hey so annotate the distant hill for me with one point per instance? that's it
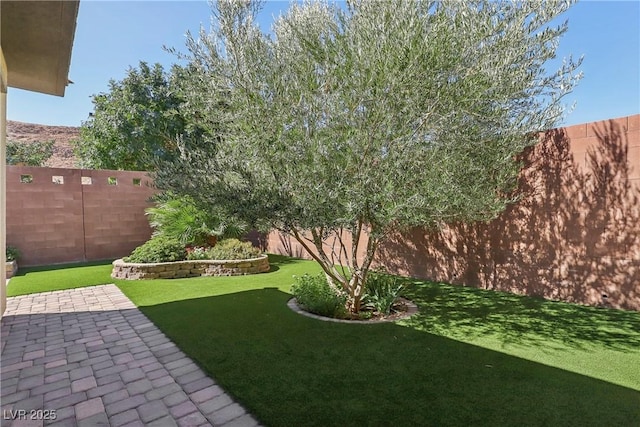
(62, 135)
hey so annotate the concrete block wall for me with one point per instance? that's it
(68, 215)
(573, 236)
(115, 222)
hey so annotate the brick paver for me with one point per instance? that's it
(88, 356)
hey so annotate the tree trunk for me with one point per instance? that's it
(356, 291)
(353, 286)
(337, 288)
(212, 240)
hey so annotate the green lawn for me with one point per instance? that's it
(470, 357)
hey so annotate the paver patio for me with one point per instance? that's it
(89, 357)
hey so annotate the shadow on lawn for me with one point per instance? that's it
(520, 320)
(574, 235)
(277, 261)
(292, 370)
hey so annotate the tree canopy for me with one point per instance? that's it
(367, 119)
(136, 123)
(29, 153)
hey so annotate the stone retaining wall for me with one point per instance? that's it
(194, 268)
(12, 269)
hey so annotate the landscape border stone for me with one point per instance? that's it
(412, 309)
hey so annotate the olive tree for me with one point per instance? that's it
(360, 121)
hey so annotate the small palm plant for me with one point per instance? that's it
(180, 218)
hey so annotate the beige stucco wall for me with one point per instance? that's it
(37, 39)
(3, 194)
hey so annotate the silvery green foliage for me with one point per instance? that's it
(370, 118)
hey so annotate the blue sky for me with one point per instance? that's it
(111, 36)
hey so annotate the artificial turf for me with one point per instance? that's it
(30, 280)
(469, 357)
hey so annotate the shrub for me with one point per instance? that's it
(198, 252)
(12, 253)
(315, 295)
(233, 249)
(29, 153)
(382, 292)
(158, 249)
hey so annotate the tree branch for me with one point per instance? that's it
(320, 257)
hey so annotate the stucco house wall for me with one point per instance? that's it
(36, 40)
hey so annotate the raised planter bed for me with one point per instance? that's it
(12, 268)
(192, 268)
